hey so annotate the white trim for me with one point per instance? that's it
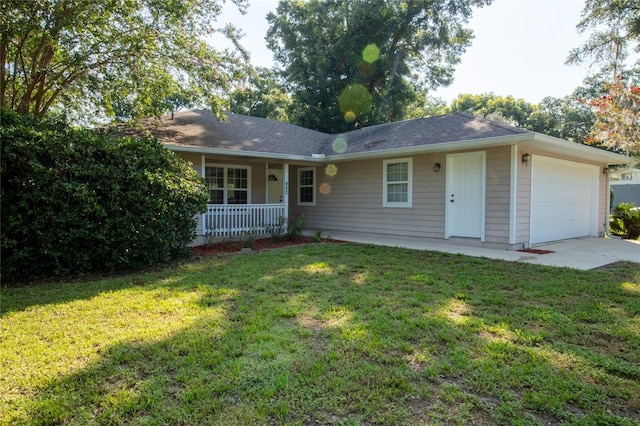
(225, 188)
(385, 184)
(202, 175)
(483, 201)
(513, 194)
(237, 153)
(315, 178)
(285, 191)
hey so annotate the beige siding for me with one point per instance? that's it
(497, 201)
(194, 159)
(352, 200)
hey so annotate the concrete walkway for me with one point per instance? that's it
(581, 253)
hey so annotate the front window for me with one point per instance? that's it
(307, 186)
(397, 183)
(228, 184)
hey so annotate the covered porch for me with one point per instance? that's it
(245, 197)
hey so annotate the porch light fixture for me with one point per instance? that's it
(525, 158)
(436, 167)
(605, 170)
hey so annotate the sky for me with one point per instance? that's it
(519, 49)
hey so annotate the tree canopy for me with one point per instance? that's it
(125, 58)
(352, 63)
(261, 94)
(612, 91)
(614, 27)
(618, 118)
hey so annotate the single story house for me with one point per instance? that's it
(456, 177)
(625, 185)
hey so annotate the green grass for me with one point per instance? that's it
(339, 334)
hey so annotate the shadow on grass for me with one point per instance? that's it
(364, 335)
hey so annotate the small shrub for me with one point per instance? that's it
(278, 230)
(249, 240)
(625, 221)
(317, 236)
(287, 230)
(295, 228)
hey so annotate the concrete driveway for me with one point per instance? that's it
(580, 253)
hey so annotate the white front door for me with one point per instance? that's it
(465, 197)
(274, 186)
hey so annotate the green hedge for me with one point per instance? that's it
(75, 201)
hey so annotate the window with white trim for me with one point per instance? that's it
(307, 186)
(228, 184)
(397, 182)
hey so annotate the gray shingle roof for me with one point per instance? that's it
(199, 128)
(455, 127)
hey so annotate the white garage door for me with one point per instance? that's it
(564, 199)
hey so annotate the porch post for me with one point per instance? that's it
(203, 174)
(285, 192)
(266, 180)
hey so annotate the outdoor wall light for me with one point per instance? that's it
(605, 171)
(436, 167)
(525, 158)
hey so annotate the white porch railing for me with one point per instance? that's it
(229, 220)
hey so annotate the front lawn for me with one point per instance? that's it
(338, 334)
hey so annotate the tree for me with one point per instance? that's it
(128, 58)
(565, 118)
(618, 117)
(615, 28)
(615, 31)
(509, 110)
(352, 63)
(261, 95)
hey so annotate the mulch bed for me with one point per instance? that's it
(224, 247)
(536, 251)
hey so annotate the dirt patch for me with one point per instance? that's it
(536, 251)
(258, 244)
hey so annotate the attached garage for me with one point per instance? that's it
(564, 199)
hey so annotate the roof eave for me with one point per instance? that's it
(440, 147)
(238, 153)
(585, 152)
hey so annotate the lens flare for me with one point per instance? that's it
(371, 53)
(325, 189)
(339, 145)
(349, 116)
(331, 170)
(354, 100)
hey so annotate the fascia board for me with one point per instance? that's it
(441, 147)
(562, 146)
(230, 152)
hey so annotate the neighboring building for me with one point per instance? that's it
(456, 177)
(625, 185)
